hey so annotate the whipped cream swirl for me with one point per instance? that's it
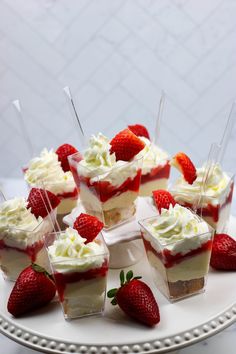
(179, 229)
(100, 164)
(47, 169)
(153, 156)
(216, 185)
(69, 252)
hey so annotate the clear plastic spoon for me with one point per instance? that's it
(159, 117)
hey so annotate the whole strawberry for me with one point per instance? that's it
(163, 199)
(88, 226)
(136, 299)
(139, 130)
(126, 145)
(223, 254)
(33, 289)
(63, 152)
(183, 163)
(42, 202)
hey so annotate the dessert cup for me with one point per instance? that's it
(109, 196)
(80, 281)
(214, 209)
(19, 247)
(46, 172)
(179, 267)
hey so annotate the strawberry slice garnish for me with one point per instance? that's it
(136, 299)
(63, 152)
(223, 254)
(88, 226)
(183, 163)
(33, 289)
(139, 130)
(163, 199)
(42, 202)
(126, 145)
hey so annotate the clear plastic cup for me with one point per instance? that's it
(80, 282)
(214, 210)
(178, 274)
(19, 248)
(109, 196)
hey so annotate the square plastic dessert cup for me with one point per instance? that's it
(214, 210)
(156, 178)
(19, 248)
(109, 196)
(178, 275)
(68, 200)
(80, 282)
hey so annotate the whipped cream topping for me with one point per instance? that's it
(217, 184)
(153, 156)
(178, 229)
(47, 169)
(18, 226)
(69, 252)
(99, 163)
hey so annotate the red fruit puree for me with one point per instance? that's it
(30, 251)
(161, 171)
(61, 279)
(170, 260)
(105, 190)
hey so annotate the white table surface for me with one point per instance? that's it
(222, 343)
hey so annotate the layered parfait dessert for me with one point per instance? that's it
(155, 167)
(210, 196)
(109, 176)
(80, 269)
(23, 225)
(178, 246)
(52, 171)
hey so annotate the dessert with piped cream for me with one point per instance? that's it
(23, 225)
(80, 268)
(178, 246)
(155, 163)
(109, 176)
(210, 196)
(51, 171)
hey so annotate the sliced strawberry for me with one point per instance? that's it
(63, 152)
(136, 299)
(41, 202)
(223, 254)
(126, 145)
(88, 226)
(163, 199)
(183, 163)
(33, 289)
(139, 130)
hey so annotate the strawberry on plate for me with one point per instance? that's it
(139, 130)
(88, 226)
(33, 289)
(41, 202)
(126, 145)
(163, 199)
(63, 152)
(136, 299)
(223, 254)
(183, 163)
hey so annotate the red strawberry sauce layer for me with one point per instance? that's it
(213, 211)
(61, 279)
(73, 194)
(170, 260)
(162, 171)
(105, 190)
(30, 251)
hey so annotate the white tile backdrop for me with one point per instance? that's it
(116, 56)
